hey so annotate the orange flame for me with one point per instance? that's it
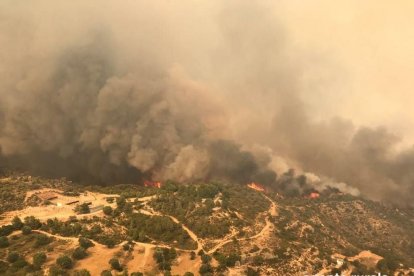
(314, 195)
(256, 186)
(155, 184)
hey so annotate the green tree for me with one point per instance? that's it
(82, 272)
(79, 253)
(251, 272)
(137, 274)
(26, 230)
(13, 257)
(192, 255)
(107, 210)
(32, 222)
(205, 268)
(188, 274)
(4, 266)
(64, 262)
(4, 242)
(82, 208)
(106, 273)
(17, 223)
(114, 263)
(85, 243)
(39, 259)
(42, 239)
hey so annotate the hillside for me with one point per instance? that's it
(55, 227)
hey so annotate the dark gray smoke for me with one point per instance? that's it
(109, 93)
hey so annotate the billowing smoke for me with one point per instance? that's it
(122, 92)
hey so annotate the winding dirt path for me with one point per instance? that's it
(272, 211)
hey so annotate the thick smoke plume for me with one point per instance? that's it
(122, 92)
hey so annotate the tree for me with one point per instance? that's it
(205, 268)
(137, 274)
(82, 272)
(120, 202)
(251, 272)
(3, 266)
(192, 255)
(188, 274)
(64, 262)
(32, 222)
(106, 273)
(115, 264)
(41, 240)
(17, 223)
(39, 259)
(79, 253)
(107, 210)
(26, 230)
(205, 259)
(4, 242)
(82, 208)
(85, 243)
(13, 257)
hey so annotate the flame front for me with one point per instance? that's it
(256, 186)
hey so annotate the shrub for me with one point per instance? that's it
(107, 210)
(3, 266)
(42, 239)
(137, 274)
(115, 264)
(205, 268)
(20, 263)
(17, 223)
(64, 262)
(82, 209)
(106, 273)
(32, 222)
(82, 272)
(26, 230)
(13, 257)
(39, 259)
(188, 274)
(4, 242)
(85, 243)
(79, 253)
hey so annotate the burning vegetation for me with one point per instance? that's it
(154, 184)
(256, 186)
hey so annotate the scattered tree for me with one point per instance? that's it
(39, 259)
(26, 230)
(79, 253)
(64, 262)
(4, 242)
(115, 264)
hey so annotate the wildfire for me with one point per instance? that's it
(155, 184)
(314, 195)
(256, 186)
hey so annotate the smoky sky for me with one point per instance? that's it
(122, 92)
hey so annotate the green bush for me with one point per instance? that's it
(85, 243)
(79, 253)
(42, 239)
(13, 257)
(106, 273)
(82, 272)
(17, 223)
(4, 242)
(64, 262)
(107, 210)
(39, 259)
(115, 264)
(26, 230)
